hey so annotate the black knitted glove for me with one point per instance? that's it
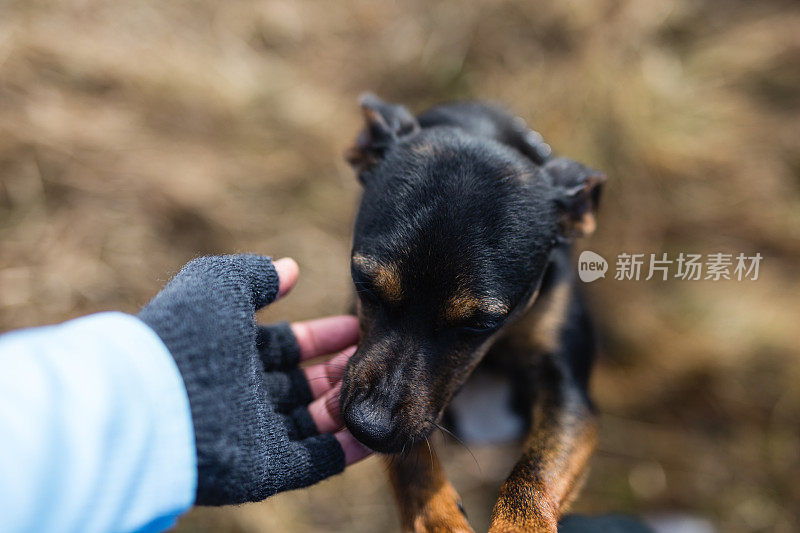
(253, 433)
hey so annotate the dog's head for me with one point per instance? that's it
(451, 241)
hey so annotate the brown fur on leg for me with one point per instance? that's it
(547, 477)
(426, 499)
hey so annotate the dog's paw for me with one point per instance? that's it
(503, 526)
(442, 522)
(531, 515)
(442, 513)
(531, 520)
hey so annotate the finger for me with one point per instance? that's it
(325, 411)
(256, 273)
(277, 346)
(354, 451)
(304, 462)
(323, 376)
(325, 335)
(288, 272)
(287, 390)
(298, 424)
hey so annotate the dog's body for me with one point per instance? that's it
(461, 259)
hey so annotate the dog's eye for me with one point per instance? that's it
(480, 329)
(366, 294)
(365, 291)
(363, 286)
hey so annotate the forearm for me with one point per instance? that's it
(97, 432)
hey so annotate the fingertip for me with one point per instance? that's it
(325, 411)
(350, 323)
(346, 354)
(354, 451)
(288, 272)
(322, 336)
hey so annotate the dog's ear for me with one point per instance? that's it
(385, 124)
(578, 190)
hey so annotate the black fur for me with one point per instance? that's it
(464, 198)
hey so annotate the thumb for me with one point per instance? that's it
(267, 280)
(288, 272)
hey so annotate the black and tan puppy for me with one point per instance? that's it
(461, 259)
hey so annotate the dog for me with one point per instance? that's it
(461, 262)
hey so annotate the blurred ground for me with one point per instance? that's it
(137, 135)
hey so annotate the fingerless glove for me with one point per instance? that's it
(253, 434)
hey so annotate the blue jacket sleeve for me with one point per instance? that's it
(96, 429)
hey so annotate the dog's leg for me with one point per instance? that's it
(426, 499)
(559, 444)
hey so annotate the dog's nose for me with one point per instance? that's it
(369, 424)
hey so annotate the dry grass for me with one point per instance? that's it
(137, 135)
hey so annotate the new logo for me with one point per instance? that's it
(591, 266)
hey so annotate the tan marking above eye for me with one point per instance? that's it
(424, 149)
(385, 276)
(463, 305)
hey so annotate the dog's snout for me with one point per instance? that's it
(370, 424)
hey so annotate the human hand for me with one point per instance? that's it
(316, 338)
(262, 425)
